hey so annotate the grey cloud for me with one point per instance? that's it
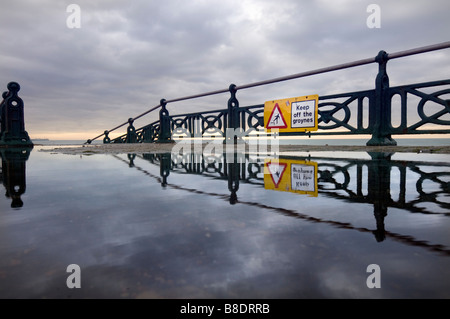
(128, 55)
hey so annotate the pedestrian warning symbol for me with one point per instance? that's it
(276, 119)
(276, 171)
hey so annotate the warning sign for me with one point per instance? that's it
(297, 114)
(276, 119)
(276, 171)
(294, 176)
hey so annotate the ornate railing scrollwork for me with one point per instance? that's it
(435, 118)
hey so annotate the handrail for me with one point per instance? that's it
(119, 126)
(395, 55)
(399, 54)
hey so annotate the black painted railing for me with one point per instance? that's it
(363, 112)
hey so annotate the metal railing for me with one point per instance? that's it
(372, 109)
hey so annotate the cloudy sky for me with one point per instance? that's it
(127, 55)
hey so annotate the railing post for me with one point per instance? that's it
(233, 179)
(165, 163)
(12, 127)
(106, 139)
(13, 172)
(147, 134)
(131, 132)
(379, 186)
(165, 135)
(233, 116)
(380, 108)
(131, 158)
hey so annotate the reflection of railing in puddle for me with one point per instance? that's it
(381, 174)
(354, 180)
(13, 173)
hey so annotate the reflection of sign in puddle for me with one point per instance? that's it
(291, 176)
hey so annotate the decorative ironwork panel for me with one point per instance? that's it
(430, 112)
(200, 124)
(252, 118)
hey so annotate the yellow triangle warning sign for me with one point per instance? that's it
(276, 171)
(276, 119)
